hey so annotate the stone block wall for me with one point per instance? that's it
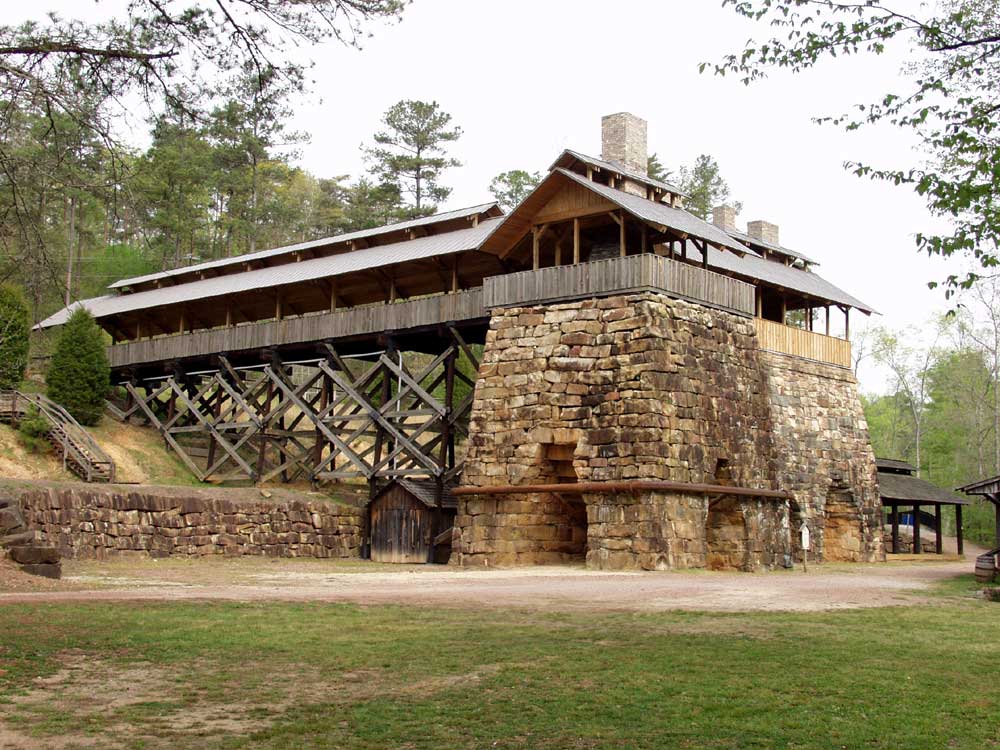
(100, 522)
(643, 387)
(823, 455)
(632, 387)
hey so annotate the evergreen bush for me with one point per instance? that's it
(79, 376)
(32, 430)
(15, 327)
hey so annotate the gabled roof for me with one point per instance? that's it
(423, 490)
(568, 157)
(894, 465)
(779, 249)
(794, 279)
(988, 486)
(660, 215)
(491, 208)
(290, 273)
(903, 488)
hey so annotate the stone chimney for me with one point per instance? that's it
(764, 231)
(724, 217)
(623, 140)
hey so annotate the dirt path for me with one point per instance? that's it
(569, 588)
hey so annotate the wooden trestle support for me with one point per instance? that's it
(366, 418)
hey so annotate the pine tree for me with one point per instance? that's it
(14, 331)
(704, 186)
(79, 376)
(655, 168)
(410, 152)
(510, 188)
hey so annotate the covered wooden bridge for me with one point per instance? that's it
(354, 357)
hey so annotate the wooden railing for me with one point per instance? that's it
(352, 321)
(617, 275)
(80, 452)
(784, 339)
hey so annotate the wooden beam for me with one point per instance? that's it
(576, 241)
(958, 530)
(938, 530)
(895, 529)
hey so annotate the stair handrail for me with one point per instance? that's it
(73, 437)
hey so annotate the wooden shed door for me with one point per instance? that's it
(400, 528)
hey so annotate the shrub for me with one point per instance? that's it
(79, 376)
(15, 327)
(32, 430)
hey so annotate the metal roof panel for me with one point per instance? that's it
(289, 273)
(262, 254)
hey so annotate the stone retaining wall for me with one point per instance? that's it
(627, 387)
(823, 455)
(90, 522)
(646, 387)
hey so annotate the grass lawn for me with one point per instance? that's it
(222, 675)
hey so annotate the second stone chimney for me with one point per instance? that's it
(623, 140)
(764, 231)
(724, 217)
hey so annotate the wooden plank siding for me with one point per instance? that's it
(352, 321)
(616, 275)
(797, 342)
(561, 283)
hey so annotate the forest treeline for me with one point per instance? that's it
(84, 215)
(941, 409)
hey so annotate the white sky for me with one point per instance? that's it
(525, 79)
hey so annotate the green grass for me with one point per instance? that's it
(343, 676)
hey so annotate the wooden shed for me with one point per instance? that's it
(405, 519)
(898, 487)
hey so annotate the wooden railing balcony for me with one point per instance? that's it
(635, 273)
(798, 342)
(352, 321)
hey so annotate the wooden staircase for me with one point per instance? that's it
(80, 452)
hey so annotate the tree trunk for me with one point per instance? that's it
(70, 252)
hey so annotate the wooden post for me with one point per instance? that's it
(996, 506)
(216, 409)
(895, 529)
(263, 437)
(760, 302)
(827, 320)
(958, 530)
(938, 531)
(576, 241)
(645, 239)
(229, 314)
(279, 312)
(454, 274)
(847, 323)
(535, 247)
(809, 318)
(183, 322)
(784, 312)
(916, 530)
(622, 249)
(333, 295)
(559, 251)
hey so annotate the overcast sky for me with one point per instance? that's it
(526, 79)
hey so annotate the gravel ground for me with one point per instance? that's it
(565, 587)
